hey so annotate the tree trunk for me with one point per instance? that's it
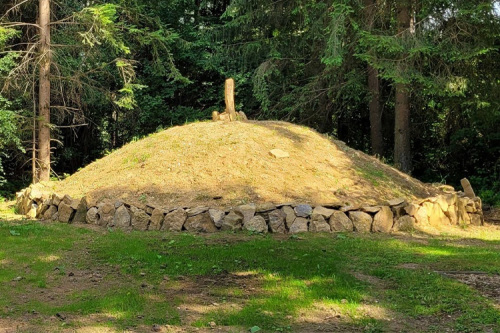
(44, 93)
(376, 137)
(402, 150)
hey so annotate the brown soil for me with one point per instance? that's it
(220, 164)
(488, 285)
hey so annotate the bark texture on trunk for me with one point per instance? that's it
(402, 149)
(376, 137)
(44, 93)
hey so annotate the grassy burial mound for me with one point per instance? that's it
(221, 164)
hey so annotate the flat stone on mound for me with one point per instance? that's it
(232, 221)
(277, 221)
(278, 153)
(325, 212)
(200, 223)
(122, 218)
(174, 221)
(362, 221)
(383, 220)
(303, 210)
(339, 222)
(299, 225)
(139, 218)
(256, 224)
(318, 224)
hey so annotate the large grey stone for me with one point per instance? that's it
(422, 216)
(81, 210)
(200, 223)
(412, 209)
(56, 199)
(256, 224)
(106, 212)
(50, 212)
(325, 212)
(362, 221)
(232, 221)
(405, 223)
(339, 222)
(469, 192)
(217, 216)
(277, 221)
(66, 213)
(303, 210)
(122, 218)
(139, 218)
(92, 216)
(318, 224)
(247, 211)
(463, 217)
(437, 218)
(67, 199)
(42, 208)
(383, 220)
(452, 214)
(156, 219)
(289, 215)
(476, 219)
(174, 221)
(299, 225)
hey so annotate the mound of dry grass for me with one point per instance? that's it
(219, 164)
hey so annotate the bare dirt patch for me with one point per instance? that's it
(487, 284)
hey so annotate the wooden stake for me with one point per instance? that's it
(229, 97)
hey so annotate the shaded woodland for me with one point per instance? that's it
(415, 82)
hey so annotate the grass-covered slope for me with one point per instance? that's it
(231, 162)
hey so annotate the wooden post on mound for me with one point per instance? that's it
(229, 97)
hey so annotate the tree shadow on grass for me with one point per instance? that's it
(273, 282)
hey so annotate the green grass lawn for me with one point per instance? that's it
(59, 277)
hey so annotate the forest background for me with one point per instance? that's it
(415, 82)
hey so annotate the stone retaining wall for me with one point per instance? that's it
(394, 215)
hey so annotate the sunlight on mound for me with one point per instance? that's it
(214, 163)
